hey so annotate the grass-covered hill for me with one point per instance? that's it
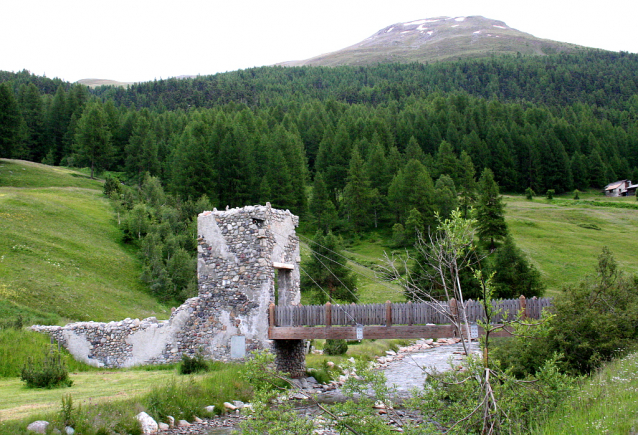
(61, 256)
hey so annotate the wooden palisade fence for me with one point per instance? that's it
(390, 320)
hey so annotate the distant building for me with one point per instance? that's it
(621, 188)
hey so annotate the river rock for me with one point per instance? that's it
(39, 426)
(149, 426)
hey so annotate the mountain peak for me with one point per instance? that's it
(437, 39)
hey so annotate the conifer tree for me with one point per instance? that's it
(491, 226)
(514, 276)
(33, 114)
(321, 207)
(357, 194)
(141, 150)
(467, 183)
(10, 121)
(326, 274)
(193, 163)
(93, 138)
(445, 195)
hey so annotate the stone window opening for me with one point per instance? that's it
(283, 286)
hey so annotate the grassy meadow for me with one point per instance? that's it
(61, 251)
(563, 237)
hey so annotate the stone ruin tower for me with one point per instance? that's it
(247, 258)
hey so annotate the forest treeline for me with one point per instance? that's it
(346, 148)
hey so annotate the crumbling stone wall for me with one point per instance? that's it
(238, 251)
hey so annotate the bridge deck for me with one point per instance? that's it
(378, 321)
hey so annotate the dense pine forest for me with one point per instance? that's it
(347, 148)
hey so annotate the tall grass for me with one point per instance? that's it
(606, 403)
(17, 345)
(186, 397)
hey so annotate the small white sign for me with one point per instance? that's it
(359, 332)
(474, 331)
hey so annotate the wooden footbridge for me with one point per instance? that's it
(391, 320)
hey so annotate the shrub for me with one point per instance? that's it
(51, 372)
(193, 364)
(529, 193)
(335, 347)
(452, 399)
(550, 194)
(593, 322)
(576, 194)
(112, 185)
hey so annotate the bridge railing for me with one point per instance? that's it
(407, 313)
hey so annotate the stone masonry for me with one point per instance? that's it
(239, 252)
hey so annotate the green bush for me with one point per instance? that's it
(335, 347)
(450, 400)
(529, 193)
(51, 372)
(112, 185)
(576, 194)
(550, 194)
(193, 364)
(592, 322)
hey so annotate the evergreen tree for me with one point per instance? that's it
(446, 197)
(10, 121)
(193, 168)
(322, 209)
(467, 183)
(326, 274)
(93, 138)
(57, 124)
(579, 171)
(357, 194)
(33, 115)
(413, 151)
(446, 161)
(141, 150)
(514, 276)
(491, 226)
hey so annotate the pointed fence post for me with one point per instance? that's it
(271, 316)
(328, 314)
(454, 312)
(388, 313)
(410, 313)
(523, 303)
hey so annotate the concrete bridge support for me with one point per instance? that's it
(290, 357)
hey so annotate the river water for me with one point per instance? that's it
(410, 372)
(406, 372)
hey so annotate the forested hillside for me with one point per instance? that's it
(375, 146)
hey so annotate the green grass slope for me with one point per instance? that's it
(60, 249)
(604, 404)
(563, 238)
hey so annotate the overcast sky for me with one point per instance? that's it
(140, 40)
